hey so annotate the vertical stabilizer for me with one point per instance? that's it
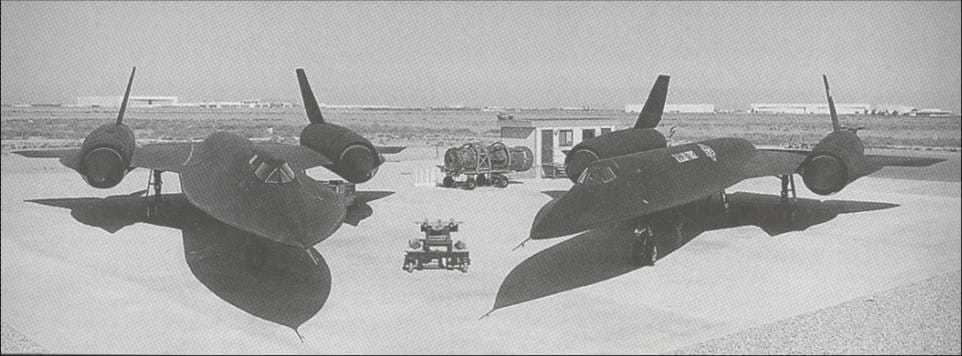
(651, 114)
(836, 127)
(310, 103)
(123, 104)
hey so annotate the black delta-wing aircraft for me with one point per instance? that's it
(633, 175)
(261, 188)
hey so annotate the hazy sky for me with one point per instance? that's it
(485, 53)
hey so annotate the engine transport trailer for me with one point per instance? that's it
(474, 164)
(436, 250)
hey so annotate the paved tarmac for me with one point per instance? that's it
(90, 279)
(919, 318)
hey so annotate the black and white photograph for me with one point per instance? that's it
(481, 177)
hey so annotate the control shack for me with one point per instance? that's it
(551, 138)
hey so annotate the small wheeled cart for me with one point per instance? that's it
(436, 250)
(474, 178)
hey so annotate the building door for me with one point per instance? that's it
(547, 146)
(587, 134)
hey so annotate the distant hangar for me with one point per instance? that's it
(135, 101)
(822, 108)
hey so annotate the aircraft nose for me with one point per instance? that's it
(543, 222)
(559, 217)
(312, 214)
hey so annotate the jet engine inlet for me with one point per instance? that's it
(837, 160)
(355, 158)
(105, 155)
(609, 145)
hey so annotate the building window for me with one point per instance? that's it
(587, 134)
(566, 138)
(605, 130)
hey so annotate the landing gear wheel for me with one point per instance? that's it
(644, 251)
(500, 181)
(652, 254)
(448, 182)
(470, 184)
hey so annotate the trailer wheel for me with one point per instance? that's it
(500, 181)
(470, 184)
(448, 182)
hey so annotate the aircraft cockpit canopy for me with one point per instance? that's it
(596, 175)
(271, 171)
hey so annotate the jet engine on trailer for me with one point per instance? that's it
(485, 164)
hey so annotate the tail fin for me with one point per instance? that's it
(651, 114)
(310, 103)
(836, 127)
(123, 104)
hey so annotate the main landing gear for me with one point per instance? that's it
(644, 250)
(788, 198)
(154, 181)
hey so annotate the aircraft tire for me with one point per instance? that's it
(470, 184)
(500, 181)
(448, 182)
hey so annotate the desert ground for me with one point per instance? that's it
(873, 268)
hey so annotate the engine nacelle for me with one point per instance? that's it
(105, 155)
(836, 161)
(354, 157)
(613, 144)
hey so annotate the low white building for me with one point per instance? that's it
(890, 109)
(932, 112)
(818, 108)
(135, 101)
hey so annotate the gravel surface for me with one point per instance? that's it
(15, 343)
(920, 318)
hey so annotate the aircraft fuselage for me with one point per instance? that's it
(299, 212)
(638, 184)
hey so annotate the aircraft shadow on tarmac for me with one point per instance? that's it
(280, 284)
(605, 252)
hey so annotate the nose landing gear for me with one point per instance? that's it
(644, 250)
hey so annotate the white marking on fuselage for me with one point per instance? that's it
(189, 155)
(685, 156)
